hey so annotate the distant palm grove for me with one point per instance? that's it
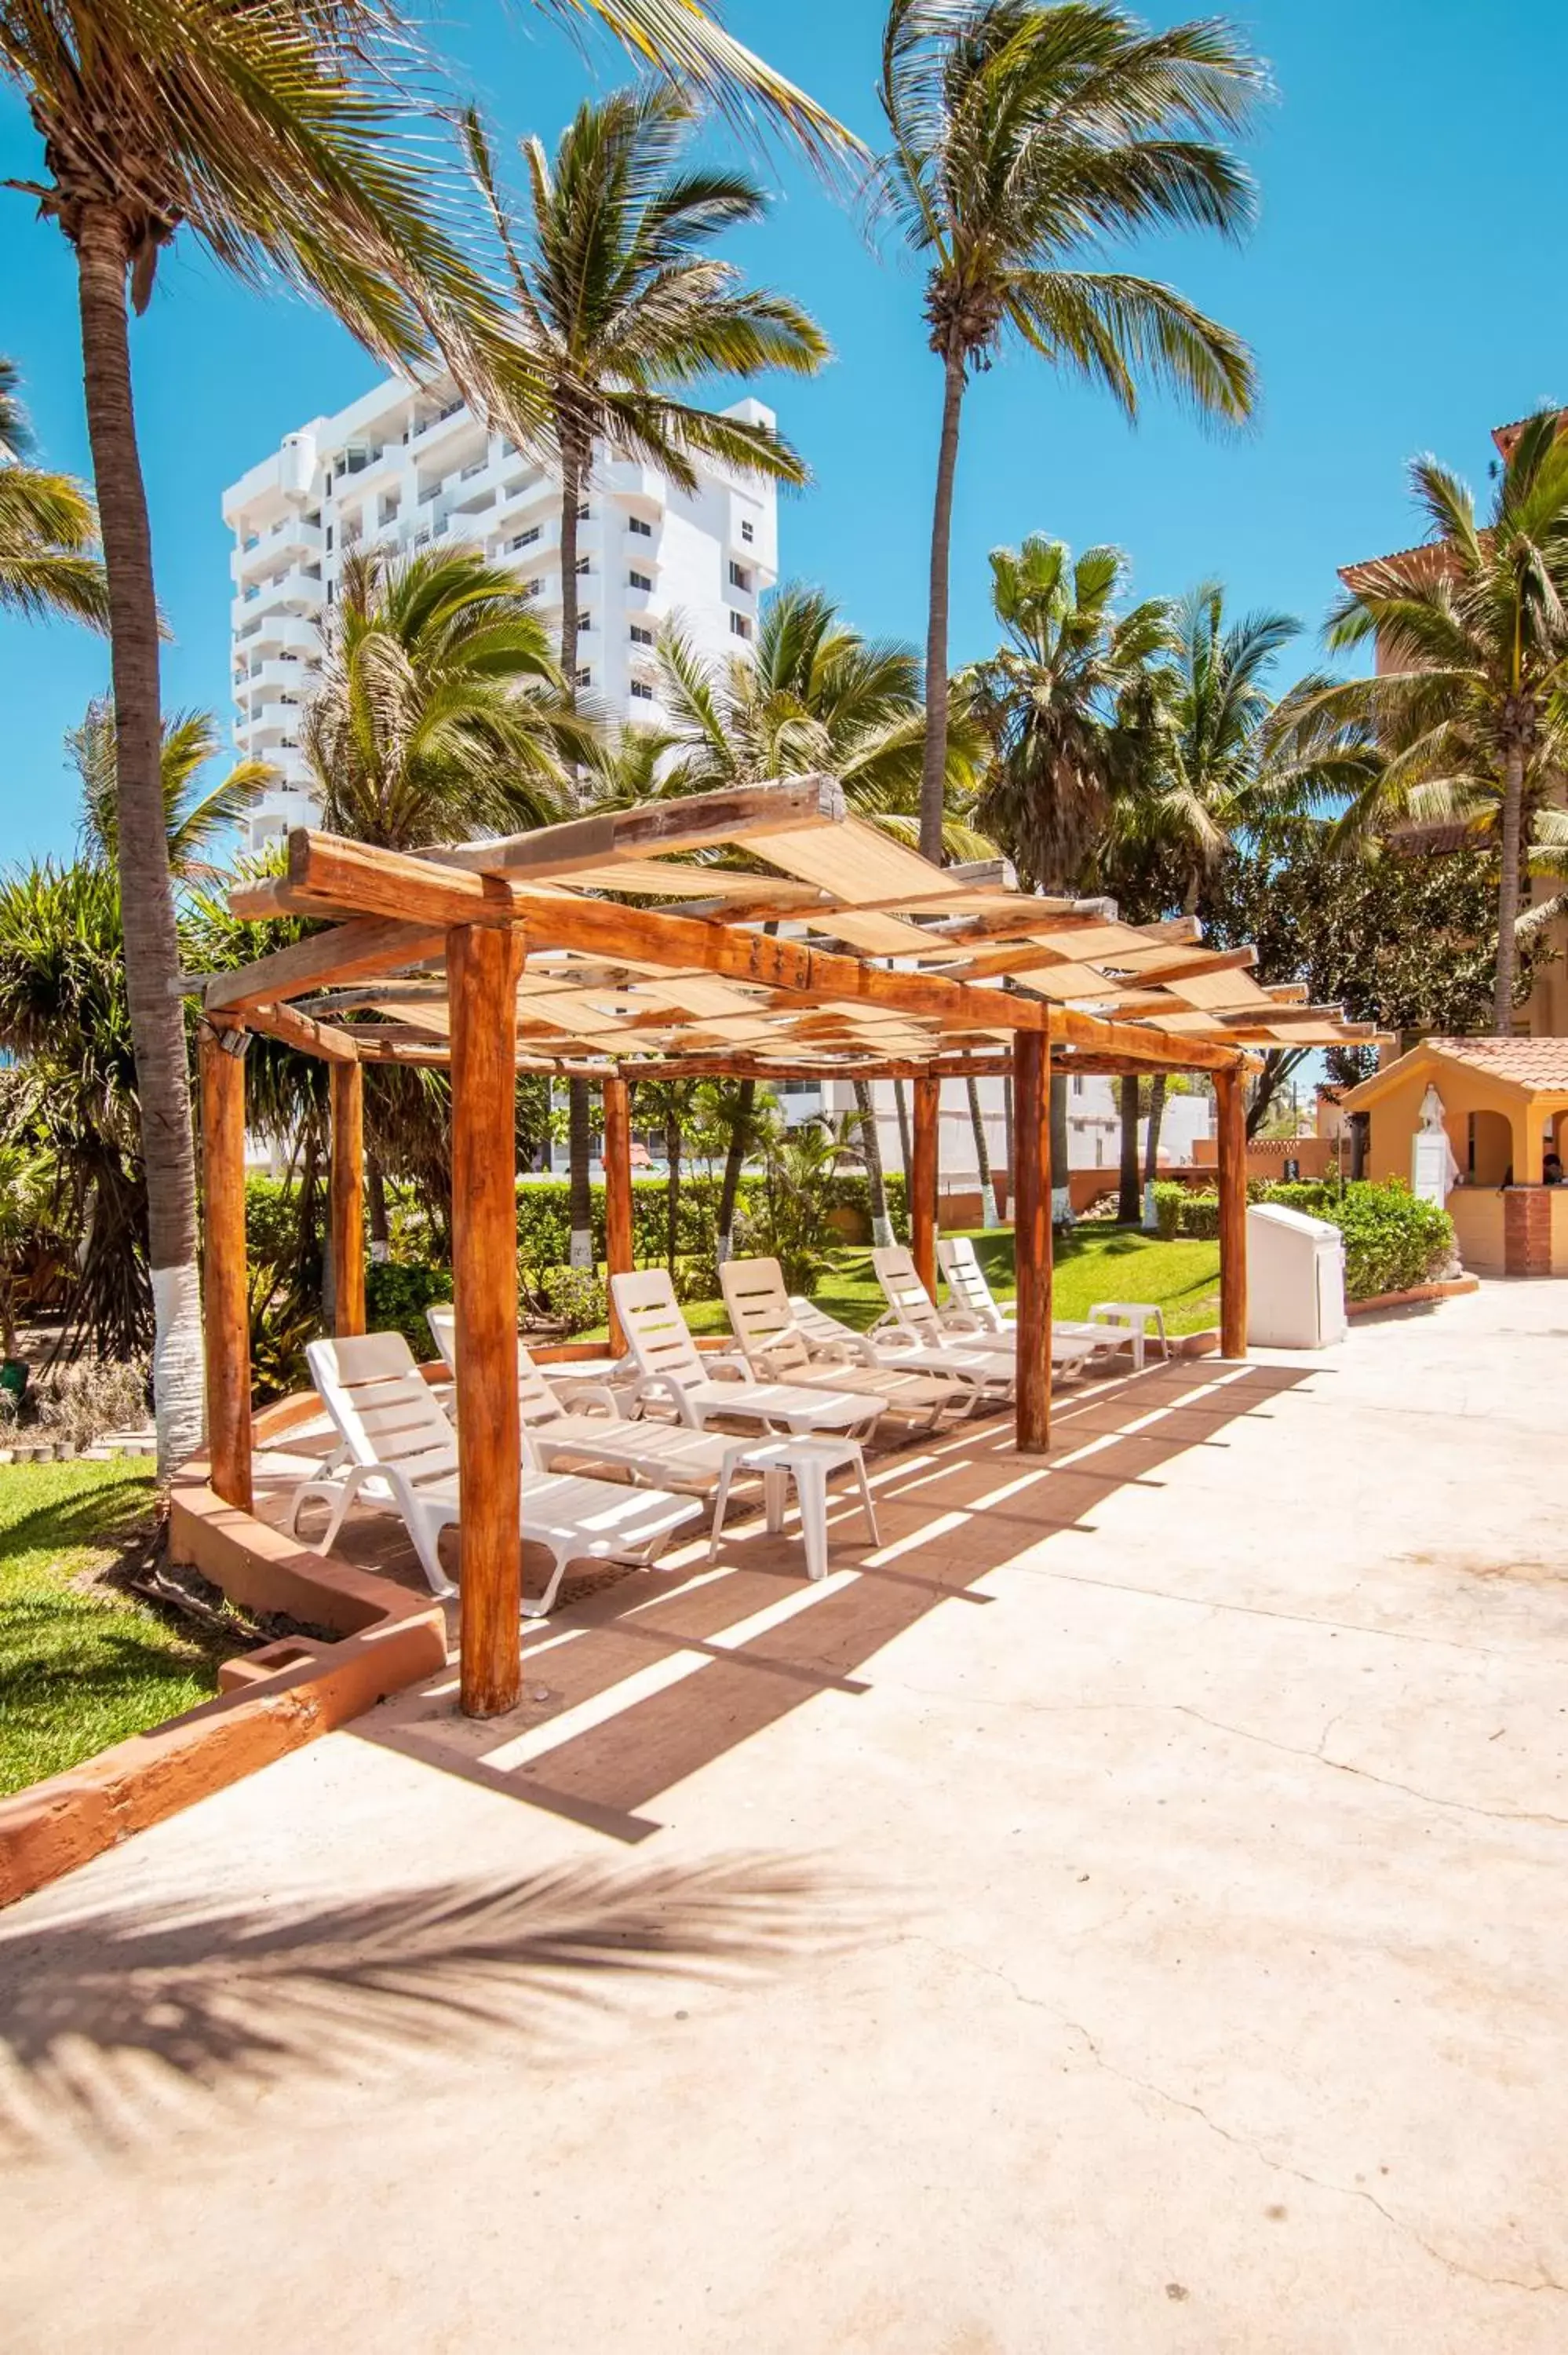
(1150, 747)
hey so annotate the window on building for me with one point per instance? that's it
(585, 621)
(583, 564)
(739, 626)
(329, 539)
(739, 578)
(585, 676)
(524, 538)
(643, 530)
(583, 512)
(748, 534)
(1078, 1083)
(641, 691)
(640, 580)
(331, 592)
(531, 588)
(640, 636)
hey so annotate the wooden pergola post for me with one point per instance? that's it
(617, 1257)
(483, 966)
(347, 1199)
(225, 1297)
(1031, 1237)
(923, 1180)
(1230, 1119)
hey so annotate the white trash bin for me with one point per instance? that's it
(1295, 1279)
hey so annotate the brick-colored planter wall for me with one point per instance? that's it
(1527, 1231)
(273, 1701)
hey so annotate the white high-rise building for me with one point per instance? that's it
(409, 467)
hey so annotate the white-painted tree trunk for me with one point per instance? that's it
(178, 1383)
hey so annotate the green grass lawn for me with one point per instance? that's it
(81, 1667)
(1095, 1262)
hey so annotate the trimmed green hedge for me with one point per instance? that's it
(1393, 1241)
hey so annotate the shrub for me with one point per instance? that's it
(396, 1295)
(84, 1402)
(575, 1295)
(1393, 1241)
(1169, 1199)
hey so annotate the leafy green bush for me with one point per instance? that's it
(396, 1295)
(1393, 1241)
(1169, 1199)
(575, 1295)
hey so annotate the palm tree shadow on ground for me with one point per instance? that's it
(113, 2026)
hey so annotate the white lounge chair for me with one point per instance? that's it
(914, 1313)
(401, 1451)
(1110, 1327)
(764, 1320)
(668, 1454)
(673, 1372)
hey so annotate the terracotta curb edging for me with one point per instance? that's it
(270, 1701)
(1414, 1297)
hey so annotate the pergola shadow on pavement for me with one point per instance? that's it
(785, 938)
(645, 1679)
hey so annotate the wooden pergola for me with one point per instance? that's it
(803, 943)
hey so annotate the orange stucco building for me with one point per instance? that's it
(1505, 1108)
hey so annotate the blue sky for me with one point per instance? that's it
(1394, 293)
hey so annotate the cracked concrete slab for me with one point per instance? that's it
(1166, 1958)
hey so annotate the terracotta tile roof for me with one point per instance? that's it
(1528, 1062)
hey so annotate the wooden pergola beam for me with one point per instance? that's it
(347, 1197)
(738, 814)
(225, 1292)
(1032, 1242)
(484, 964)
(1229, 1120)
(322, 1039)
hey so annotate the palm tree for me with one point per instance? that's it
(620, 298)
(294, 144)
(1021, 136)
(440, 712)
(1065, 701)
(48, 528)
(1052, 699)
(1469, 707)
(196, 821)
(815, 695)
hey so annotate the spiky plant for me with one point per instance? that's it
(48, 528)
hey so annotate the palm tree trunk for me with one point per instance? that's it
(672, 1187)
(375, 1196)
(733, 1163)
(934, 764)
(579, 1120)
(579, 1190)
(1129, 1198)
(982, 1156)
(1061, 1165)
(901, 1106)
(146, 892)
(1509, 887)
(1156, 1116)
(871, 1146)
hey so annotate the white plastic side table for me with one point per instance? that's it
(808, 1463)
(1138, 1316)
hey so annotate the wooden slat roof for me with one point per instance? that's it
(795, 939)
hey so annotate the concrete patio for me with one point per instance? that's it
(1127, 1912)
